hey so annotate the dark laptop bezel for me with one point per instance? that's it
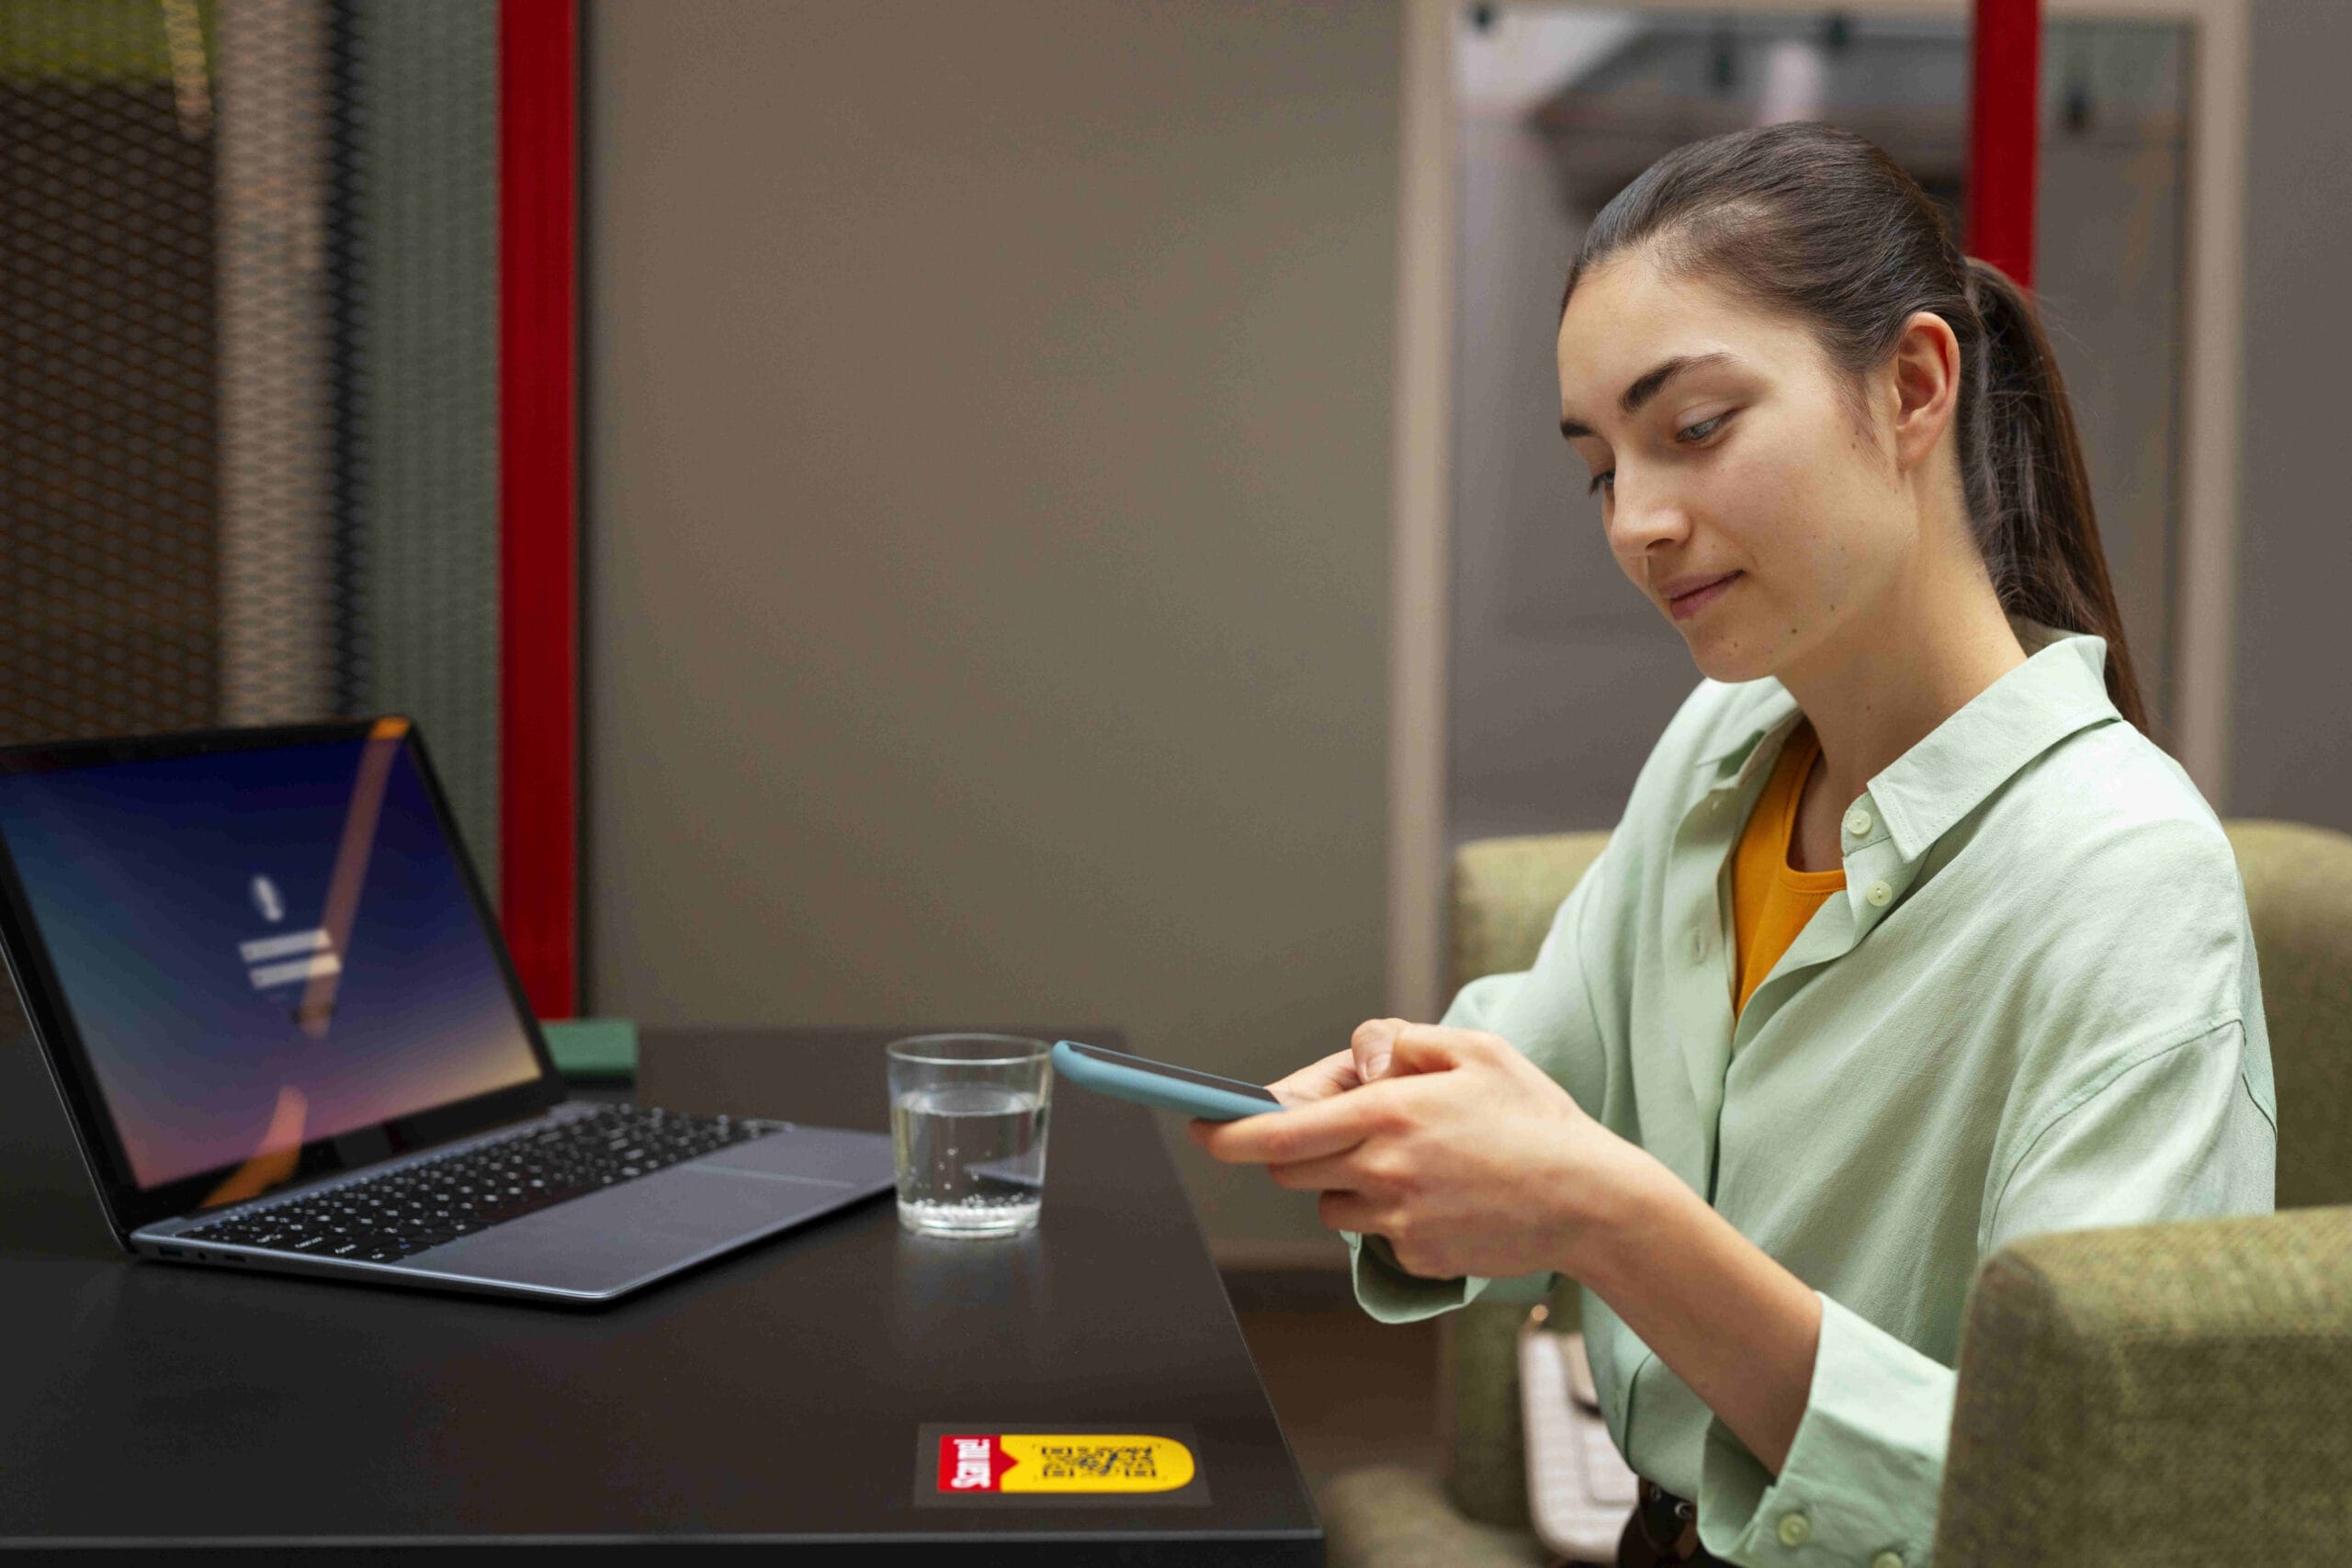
(128, 1205)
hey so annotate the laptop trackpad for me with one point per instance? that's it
(811, 1153)
(610, 1240)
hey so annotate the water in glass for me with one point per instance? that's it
(971, 1158)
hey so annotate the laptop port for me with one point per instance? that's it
(167, 1251)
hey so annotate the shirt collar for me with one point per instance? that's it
(2061, 688)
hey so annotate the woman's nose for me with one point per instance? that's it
(1641, 513)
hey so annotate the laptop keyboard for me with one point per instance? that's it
(379, 1219)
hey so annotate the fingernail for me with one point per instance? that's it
(1377, 1065)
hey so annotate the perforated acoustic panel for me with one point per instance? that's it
(109, 472)
(248, 437)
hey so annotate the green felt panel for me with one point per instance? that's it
(592, 1047)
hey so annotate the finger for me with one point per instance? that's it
(1304, 1131)
(1237, 1142)
(1370, 1045)
(1350, 1212)
(1335, 1073)
(1427, 1048)
(1349, 1171)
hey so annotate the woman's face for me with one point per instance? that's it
(1721, 440)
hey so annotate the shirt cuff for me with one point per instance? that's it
(1389, 1294)
(1864, 1474)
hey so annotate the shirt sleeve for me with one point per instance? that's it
(1864, 1473)
(1547, 1012)
(2172, 1133)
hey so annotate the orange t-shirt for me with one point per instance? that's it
(1772, 900)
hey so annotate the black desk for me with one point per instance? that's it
(771, 1398)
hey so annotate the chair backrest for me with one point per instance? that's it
(1506, 892)
(2298, 883)
(2298, 894)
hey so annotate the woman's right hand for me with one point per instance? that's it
(1366, 1059)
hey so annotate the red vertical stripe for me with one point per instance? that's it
(2004, 120)
(538, 495)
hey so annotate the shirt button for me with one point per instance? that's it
(1880, 894)
(1858, 822)
(1887, 1560)
(1795, 1529)
(1698, 945)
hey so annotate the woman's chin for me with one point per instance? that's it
(1727, 662)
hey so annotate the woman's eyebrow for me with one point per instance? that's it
(1647, 385)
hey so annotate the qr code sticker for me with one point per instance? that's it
(1065, 1460)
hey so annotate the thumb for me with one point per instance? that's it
(1424, 1048)
(1371, 1044)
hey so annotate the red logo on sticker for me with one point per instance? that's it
(1004, 1463)
(972, 1463)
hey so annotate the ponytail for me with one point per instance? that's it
(2029, 489)
(1819, 224)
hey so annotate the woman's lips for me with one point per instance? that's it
(1698, 599)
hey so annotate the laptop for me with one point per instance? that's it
(289, 1039)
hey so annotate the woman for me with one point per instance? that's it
(1909, 942)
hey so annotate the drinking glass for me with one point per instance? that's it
(967, 1125)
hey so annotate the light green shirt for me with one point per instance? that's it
(2034, 1006)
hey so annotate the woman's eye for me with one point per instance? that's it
(1606, 477)
(1702, 430)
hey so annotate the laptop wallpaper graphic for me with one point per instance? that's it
(261, 948)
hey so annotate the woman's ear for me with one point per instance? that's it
(1927, 385)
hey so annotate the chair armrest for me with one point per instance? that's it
(1480, 1429)
(2175, 1393)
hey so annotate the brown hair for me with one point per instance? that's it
(1820, 224)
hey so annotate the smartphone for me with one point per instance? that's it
(1162, 1084)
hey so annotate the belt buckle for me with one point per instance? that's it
(1664, 1519)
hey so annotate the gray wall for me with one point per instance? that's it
(2292, 740)
(987, 477)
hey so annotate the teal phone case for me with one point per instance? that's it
(1153, 1089)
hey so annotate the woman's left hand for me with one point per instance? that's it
(1464, 1154)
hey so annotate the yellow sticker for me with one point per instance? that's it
(1061, 1462)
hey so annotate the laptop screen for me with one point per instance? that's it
(261, 947)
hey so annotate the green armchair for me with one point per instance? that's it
(2166, 1393)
